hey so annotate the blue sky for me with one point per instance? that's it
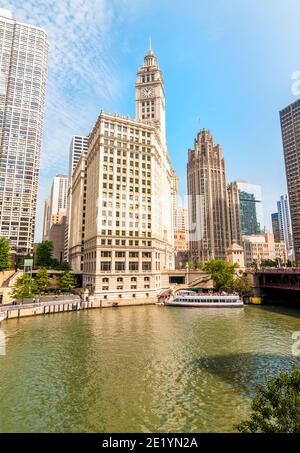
(227, 66)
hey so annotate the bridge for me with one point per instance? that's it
(279, 285)
(279, 278)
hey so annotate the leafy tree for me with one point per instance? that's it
(4, 254)
(276, 405)
(60, 266)
(43, 256)
(222, 273)
(269, 263)
(254, 265)
(24, 287)
(198, 265)
(41, 280)
(242, 285)
(67, 282)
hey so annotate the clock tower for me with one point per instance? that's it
(150, 95)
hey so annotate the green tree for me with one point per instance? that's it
(5, 252)
(269, 263)
(242, 285)
(24, 287)
(222, 273)
(67, 282)
(198, 265)
(43, 256)
(276, 405)
(41, 280)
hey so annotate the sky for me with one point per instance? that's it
(227, 65)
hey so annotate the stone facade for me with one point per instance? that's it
(209, 224)
(127, 235)
(258, 248)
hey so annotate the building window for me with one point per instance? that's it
(133, 266)
(105, 266)
(120, 266)
(133, 279)
(105, 254)
(146, 266)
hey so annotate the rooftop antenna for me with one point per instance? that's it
(150, 44)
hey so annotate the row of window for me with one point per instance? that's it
(106, 266)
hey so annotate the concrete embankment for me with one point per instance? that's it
(45, 308)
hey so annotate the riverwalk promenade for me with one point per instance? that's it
(45, 308)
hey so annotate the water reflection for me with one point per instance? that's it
(151, 369)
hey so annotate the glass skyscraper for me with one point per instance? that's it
(246, 210)
(251, 208)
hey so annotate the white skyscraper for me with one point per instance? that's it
(121, 229)
(23, 72)
(79, 145)
(285, 226)
(56, 205)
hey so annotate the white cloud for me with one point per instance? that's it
(81, 77)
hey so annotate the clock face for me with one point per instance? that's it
(147, 92)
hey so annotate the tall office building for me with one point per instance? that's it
(56, 205)
(246, 209)
(59, 194)
(128, 231)
(275, 226)
(290, 129)
(285, 227)
(209, 223)
(79, 145)
(23, 72)
(55, 211)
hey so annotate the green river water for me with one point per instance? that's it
(140, 369)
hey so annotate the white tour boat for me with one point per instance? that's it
(193, 299)
(2, 316)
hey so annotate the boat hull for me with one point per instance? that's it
(206, 304)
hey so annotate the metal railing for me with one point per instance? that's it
(4, 308)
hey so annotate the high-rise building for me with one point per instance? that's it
(290, 130)
(234, 212)
(209, 223)
(56, 205)
(59, 192)
(285, 227)
(78, 146)
(128, 231)
(76, 217)
(181, 236)
(275, 226)
(55, 211)
(246, 209)
(23, 73)
(47, 218)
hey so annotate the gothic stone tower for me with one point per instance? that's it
(150, 95)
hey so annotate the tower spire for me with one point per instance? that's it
(150, 44)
